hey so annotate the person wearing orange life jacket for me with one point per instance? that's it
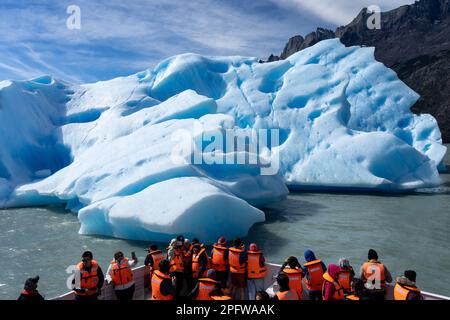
(331, 289)
(256, 270)
(199, 262)
(314, 270)
(346, 275)
(285, 292)
(177, 266)
(206, 287)
(187, 263)
(88, 280)
(237, 260)
(292, 268)
(405, 287)
(163, 286)
(375, 276)
(219, 259)
(153, 258)
(120, 274)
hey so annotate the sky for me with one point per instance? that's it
(119, 38)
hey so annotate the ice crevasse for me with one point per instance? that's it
(105, 149)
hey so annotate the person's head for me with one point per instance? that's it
(196, 248)
(222, 241)
(211, 274)
(237, 242)
(410, 275)
(344, 263)
(292, 262)
(187, 243)
(309, 255)
(333, 271)
(195, 241)
(153, 247)
(372, 255)
(253, 247)
(172, 243)
(86, 258)
(179, 245)
(31, 284)
(262, 296)
(358, 286)
(180, 238)
(118, 256)
(164, 266)
(283, 281)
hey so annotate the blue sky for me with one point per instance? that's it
(120, 37)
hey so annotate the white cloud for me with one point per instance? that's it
(338, 12)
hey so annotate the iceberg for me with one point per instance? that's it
(106, 150)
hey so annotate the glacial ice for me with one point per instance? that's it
(105, 149)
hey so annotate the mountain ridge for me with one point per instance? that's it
(414, 41)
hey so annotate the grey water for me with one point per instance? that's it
(409, 231)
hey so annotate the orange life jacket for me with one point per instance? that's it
(373, 271)
(224, 297)
(352, 297)
(254, 269)
(288, 295)
(345, 280)
(157, 278)
(233, 259)
(295, 280)
(176, 264)
(196, 264)
(157, 256)
(121, 274)
(88, 280)
(338, 290)
(205, 287)
(218, 258)
(401, 292)
(315, 272)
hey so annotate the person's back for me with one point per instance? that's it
(295, 272)
(331, 289)
(161, 283)
(314, 271)
(375, 276)
(405, 287)
(346, 274)
(30, 292)
(285, 292)
(237, 257)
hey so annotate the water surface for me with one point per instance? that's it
(408, 231)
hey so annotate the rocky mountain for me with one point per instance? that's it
(414, 40)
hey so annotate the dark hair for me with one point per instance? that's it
(263, 295)
(372, 255)
(283, 280)
(237, 242)
(292, 262)
(358, 286)
(118, 254)
(180, 238)
(87, 254)
(153, 247)
(195, 240)
(164, 266)
(410, 275)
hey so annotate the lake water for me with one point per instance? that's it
(408, 231)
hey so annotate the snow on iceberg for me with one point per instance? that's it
(105, 149)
